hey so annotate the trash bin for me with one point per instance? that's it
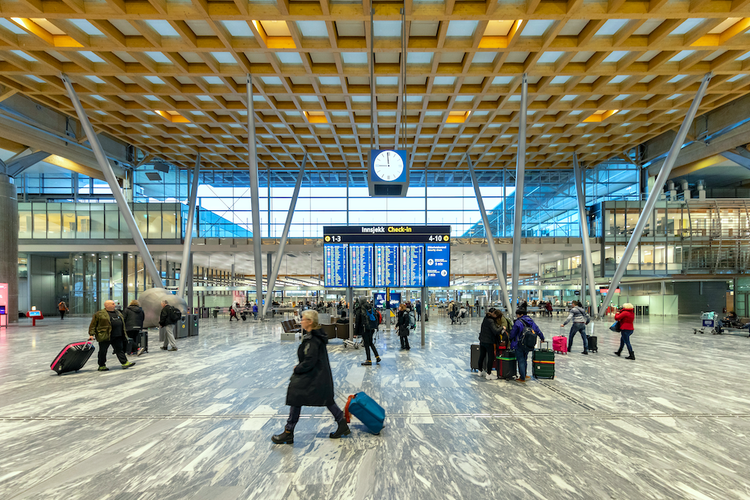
(192, 320)
(181, 328)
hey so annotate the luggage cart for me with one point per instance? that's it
(709, 324)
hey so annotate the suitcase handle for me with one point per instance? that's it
(348, 415)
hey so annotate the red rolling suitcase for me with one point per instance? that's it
(72, 357)
(560, 344)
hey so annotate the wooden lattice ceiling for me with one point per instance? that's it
(169, 76)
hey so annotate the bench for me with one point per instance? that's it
(290, 326)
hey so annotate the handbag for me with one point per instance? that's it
(615, 327)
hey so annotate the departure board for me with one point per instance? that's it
(411, 265)
(386, 265)
(437, 265)
(361, 265)
(336, 268)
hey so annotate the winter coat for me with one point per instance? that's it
(516, 334)
(626, 318)
(164, 318)
(489, 331)
(403, 323)
(578, 315)
(100, 327)
(133, 318)
(312, 380)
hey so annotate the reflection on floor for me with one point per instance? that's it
(197, 423)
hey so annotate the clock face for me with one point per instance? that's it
(388, 165)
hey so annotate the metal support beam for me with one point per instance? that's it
(284, 234)
(739, 159)
(424, 313)
(501, 277)
(252, 161)
(24, 160)
(189, 227)
(109, 174)
(588, 263)
(655, 193)
(518, 194)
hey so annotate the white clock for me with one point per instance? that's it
(388, 165)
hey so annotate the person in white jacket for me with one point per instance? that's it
(580, 320)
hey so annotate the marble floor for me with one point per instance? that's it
(196, 424)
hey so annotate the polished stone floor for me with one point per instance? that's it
(196, 424)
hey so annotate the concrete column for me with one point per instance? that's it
(9, 245)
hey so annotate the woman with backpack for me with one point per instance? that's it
(403, 326)
(580, 320)
(523, 339)
(365, 327)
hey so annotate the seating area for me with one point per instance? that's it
(291, 326)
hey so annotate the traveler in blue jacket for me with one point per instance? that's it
(516, 340)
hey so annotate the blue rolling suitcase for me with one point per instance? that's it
(366, 410)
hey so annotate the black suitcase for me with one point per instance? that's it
(593, 345)
(474, 357)
(72, 357)
(507, 360)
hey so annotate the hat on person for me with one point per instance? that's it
(628, 305)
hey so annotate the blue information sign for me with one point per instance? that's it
(386, 265)
(379, 299)
(361, 264)
(411, 265)
(437, 265)
(394, 301)
(336, 268)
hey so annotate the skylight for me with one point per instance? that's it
(611, 27)
(354, 57)
(95, 79)
(238, 28)
(91, 56)
(443, 80)
(162, 27)
(686, 26)
(502, 80)
(158, 57)
(387, 29)
(387, 80)
(289, 57)
(223, 57)
(461, 29)
(329, 80)
(615, 56)
(312, 29)
(23, 55)
(86, 27)
(536, 28)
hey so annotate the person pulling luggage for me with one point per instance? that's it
(63, 308)
(133, 317)
(523, 338)
(365, 327)
(108, 328)
(580, 320)
(312, 381)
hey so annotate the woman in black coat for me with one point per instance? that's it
(403, 326)
(133, 316)
(312, 380)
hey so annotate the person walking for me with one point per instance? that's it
(580, 320)
(402, 323)
(488, 337)
(255, 310)
(312, 381)
(167, 319)
(133, 317)
(517, 340)
(418, 308)
(363, 327)
(625, 317)
(233, 314)
(63, 308)
(108, 328)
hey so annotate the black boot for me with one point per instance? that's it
(285, 437)
(632, 355)
(618, 352)
(343, 430)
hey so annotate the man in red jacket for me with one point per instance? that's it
(625, 318)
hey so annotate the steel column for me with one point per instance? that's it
(252, 161)
(109, 175)
(655, 193)
(284, 234)
(520, 172)
(588, 263)
(501, 277)
(424, 311)
(188, 241)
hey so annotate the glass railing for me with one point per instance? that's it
(96, 221)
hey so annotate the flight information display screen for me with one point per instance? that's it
(336, 268)
(361, 265)
(411, 266)
(387, 256)
(437, 265)
(386, 265)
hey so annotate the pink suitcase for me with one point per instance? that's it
(560, 344)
